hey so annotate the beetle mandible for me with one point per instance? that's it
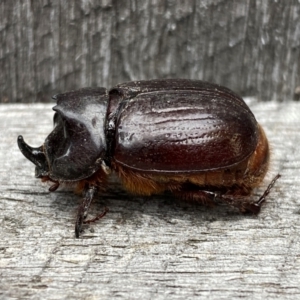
(198, 140)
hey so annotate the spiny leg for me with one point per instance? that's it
(98, 217)
(242, 202)
(257, 205)
(88, 195)
(238, 198)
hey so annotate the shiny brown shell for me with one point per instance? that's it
(192, 128)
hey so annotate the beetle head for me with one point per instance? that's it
(76, 147)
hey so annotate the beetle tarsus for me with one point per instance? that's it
(262, 198)
(98, 217)
(88, 195)
(256, 206)
(240, 202)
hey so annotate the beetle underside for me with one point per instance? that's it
(144, 184)
(206, 188)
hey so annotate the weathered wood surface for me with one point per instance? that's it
(51, 46)
(146, 248)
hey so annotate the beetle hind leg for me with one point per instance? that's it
(243, 202)
(192, 193)
(211, 199)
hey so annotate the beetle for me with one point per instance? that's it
(198, 140)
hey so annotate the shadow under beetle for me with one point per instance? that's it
(198, 140)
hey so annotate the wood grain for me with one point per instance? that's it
(146, 248)
(51, 46)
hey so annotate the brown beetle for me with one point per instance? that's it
(196, 139)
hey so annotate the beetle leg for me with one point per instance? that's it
(255, 207)
(262, 198)
(203, 197)
(88, 195)
(242, 202)
(98, 217)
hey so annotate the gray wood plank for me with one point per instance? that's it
(146, 248)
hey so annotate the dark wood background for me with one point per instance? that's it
(50, 46)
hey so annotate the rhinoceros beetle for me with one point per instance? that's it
(198, 140)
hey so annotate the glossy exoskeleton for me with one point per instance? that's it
(198, 140)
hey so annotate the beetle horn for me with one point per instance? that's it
(35, 155)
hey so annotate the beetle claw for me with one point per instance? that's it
(78, 224)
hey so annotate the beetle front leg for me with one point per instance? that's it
(88, 195)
